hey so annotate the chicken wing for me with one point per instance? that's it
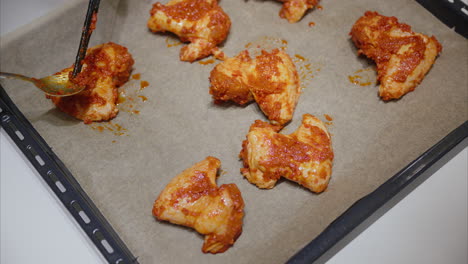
(271, 79)
(305, 156)
(403, 57)
(294, 10)
(192, 199)
(201, 22)
(105, 68)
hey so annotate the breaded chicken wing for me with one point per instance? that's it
(105, 67)
(192, 199)
(271, 79)
(403, 57)
(294, 10)
(305, 156)
(201, 22)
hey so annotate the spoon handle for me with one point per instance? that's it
(7, 75)
(89, 26)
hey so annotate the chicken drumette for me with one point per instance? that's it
(294, 10)
(201, 22)
(192, 199)
(271, 79)
(105, 68)
(305, 156)
(402, 56)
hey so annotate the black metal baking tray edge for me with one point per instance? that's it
(62, 183)
(369, 204)
(94, 224)
(450, 13)
(349, 224)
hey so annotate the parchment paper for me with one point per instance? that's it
(124, 170)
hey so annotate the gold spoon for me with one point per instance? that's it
(59, 84)
(55, 85)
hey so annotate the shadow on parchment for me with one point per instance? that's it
(55, 117)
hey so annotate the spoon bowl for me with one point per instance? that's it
(57, 84)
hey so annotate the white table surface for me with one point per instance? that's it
(430, 225)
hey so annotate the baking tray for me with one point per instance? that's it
(24, 129)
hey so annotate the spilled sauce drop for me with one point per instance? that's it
(121, 98)
(311, 24)
(143, 84)
(210, 61)
(305, 69)
(171, 42)
(143, 98)
(136, 76)
(300, 57)
(362, 77)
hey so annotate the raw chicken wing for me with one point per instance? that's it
(271, 79)
(105, 67)
(192, 199)
(201, 22)
(403, 57)
(294, 10)
(305, 156)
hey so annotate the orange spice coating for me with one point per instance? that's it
(271, 79)
(305, 156)
(402, 56)
(105, 68)
(294, 10)
(201, 22)
(192, 199)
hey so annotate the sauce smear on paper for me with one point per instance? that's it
(210, 61)
(362, 77)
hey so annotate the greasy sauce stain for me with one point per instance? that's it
(131, 96)
(311, 24)
(143, 84)
(305, 69)
(143, 98)
(319, 7)
(329, 118)
(113, 141)
(121, 98)
(111, 127)
(172, 42)
(299, 57)
(210, 61)
(265, 43)
(363, 77)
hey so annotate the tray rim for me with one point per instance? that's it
(53, 170)
(12, 120)
(365, 207)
